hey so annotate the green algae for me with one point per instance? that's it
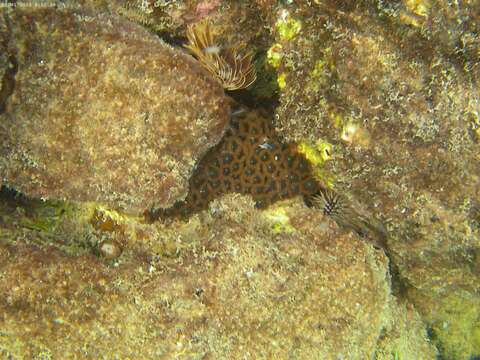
(456, 325)
(287, 26)
(279, 219)
(58, 223)
(266, 86)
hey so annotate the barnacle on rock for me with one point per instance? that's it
(232, 67)
(109, 249)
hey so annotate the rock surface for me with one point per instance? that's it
(103, 111)
(389, 92)
(398, 99)
(232, 283)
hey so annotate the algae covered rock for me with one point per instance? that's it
(398, 100)
(103, 111)
(389, 100)
(231, 283)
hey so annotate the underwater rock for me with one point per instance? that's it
(232, 282)
(103, 111)
(236, 21)
(402, 112)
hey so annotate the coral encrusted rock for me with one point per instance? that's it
(102, 110)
